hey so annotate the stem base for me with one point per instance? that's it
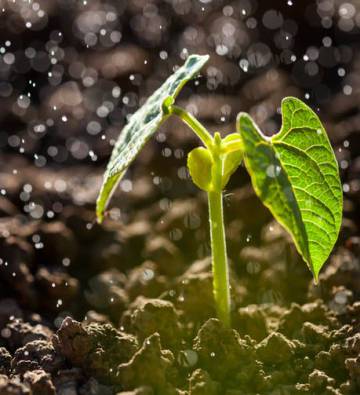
(219, 258)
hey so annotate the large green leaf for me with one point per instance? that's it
(295, 174)
(142, 125)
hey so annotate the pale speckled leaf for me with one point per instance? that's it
(142, 125)
(296, 175)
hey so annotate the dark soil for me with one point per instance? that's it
(126, 307)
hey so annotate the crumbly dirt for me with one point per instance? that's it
(150, 328)
(126, 307)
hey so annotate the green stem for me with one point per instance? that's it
(221, 283)
(218, 245)
(194, 124)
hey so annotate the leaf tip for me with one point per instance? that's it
(241, 115)
(205, 58)
(290, 99)
(241, 118)
(295, 101)
(99, 214)
(316, 278)
(202, 59)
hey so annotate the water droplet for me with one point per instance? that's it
(188, 358)
(244, 65)
(341, 72)
(148, 274)
(273, 171)
(347, 89)
(66, 262)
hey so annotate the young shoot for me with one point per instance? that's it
(294, 173)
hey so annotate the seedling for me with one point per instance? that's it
(294, 173)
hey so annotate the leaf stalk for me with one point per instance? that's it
(193, 124)
(221, 285)
(217, 148)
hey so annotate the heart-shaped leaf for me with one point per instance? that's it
(142, 125)
(296, 175)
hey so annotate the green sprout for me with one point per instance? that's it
(294, 173)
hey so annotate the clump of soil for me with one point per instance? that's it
(126, 307)
(149, 328)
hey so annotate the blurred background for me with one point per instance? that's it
(71, 72)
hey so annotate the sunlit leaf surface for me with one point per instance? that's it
(295, 173)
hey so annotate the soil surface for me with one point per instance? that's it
(126, 307)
